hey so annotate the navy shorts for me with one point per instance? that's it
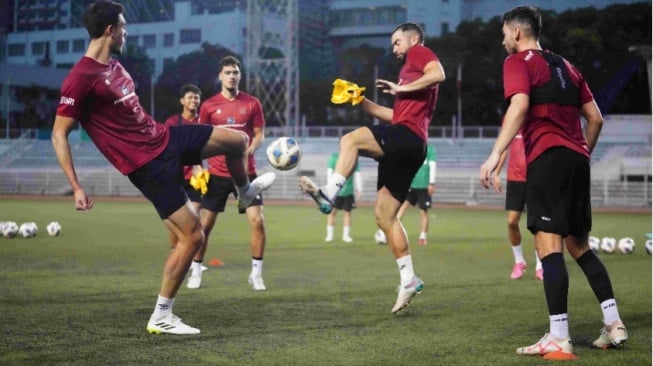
(219, 189)
(162, 180)
(419, 197)
(558, 193)
(515, 196)
(193, 194)
(404, 152)
(346, 203)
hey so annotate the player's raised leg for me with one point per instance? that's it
(233, 145)
(361, 141)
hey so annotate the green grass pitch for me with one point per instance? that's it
(84, 298)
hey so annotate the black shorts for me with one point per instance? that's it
(219, 188)
(404, 152)
(346, 203)
(515, 196)
(193, 194)
(558, 193)
(419, 197)
(162, 180)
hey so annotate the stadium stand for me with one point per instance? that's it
(621, 168)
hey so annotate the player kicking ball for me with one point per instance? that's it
(399, 145)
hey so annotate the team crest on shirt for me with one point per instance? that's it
(124, 90)
(242, 110)
(218, 111)
(231, 121)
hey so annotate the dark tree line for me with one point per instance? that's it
(596, 41)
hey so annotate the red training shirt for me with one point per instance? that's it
(244, 113)
(103, 99)
(545, 125)
(415, 109)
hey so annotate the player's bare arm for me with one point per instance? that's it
(513, 120)
(60, 131)
(594, 119)
(375, 110)
(496, 174)
(433, 74)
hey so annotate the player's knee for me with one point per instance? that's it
(513, 223)
(256, 223)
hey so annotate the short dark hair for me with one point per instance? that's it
(101, 14)
(228, 61)
(189, 88)
(527, 16)
(411, 27)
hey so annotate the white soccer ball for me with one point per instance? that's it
(379, 237)
(626, 245)
(608, 245)
(284, 153)
(9, 229)
(595, 244)
(27, 230)
(648, 246)
(53, 228)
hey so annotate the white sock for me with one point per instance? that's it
(559, 326)
(329, 231)
(406, 271)
(257, 267)
(610, 311)
(196, 268)
(538, 262)
(422, 235)
(517, 252)
(345, 231)
(333, 186)
(163, 307)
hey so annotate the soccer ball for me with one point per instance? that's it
(379, 237)
(595, 243)
(284, 153)
(53, 228)
(626, 245)
(648, 246)
(9, 229)
(27, 230)
(608, 245)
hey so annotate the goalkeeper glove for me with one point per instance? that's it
(200, 180)
(345, 91)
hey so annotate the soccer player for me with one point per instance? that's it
(398, 145)
(546, 96)
(515, 202)
(233, 109)
(101, 95)
(346, 200)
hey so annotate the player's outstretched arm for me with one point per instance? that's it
(376, 110)
(60, 131)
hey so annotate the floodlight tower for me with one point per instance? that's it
(272, 59)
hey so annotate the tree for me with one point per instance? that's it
(199, 67)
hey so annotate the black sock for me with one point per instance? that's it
(596, 275)
(556, 283)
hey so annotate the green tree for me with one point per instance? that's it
(199, 67)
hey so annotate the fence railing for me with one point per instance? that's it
(455, 188)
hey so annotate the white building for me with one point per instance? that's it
(163, 41)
